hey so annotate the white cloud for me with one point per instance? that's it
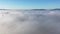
(20, 22)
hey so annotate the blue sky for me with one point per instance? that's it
(29, 4)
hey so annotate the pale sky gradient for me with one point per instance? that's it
(29, 4)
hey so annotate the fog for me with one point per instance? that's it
(29, 22)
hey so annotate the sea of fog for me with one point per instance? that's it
(29, 22)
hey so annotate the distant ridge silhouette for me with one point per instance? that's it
(34, 9)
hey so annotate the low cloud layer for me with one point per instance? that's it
(29, 22)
